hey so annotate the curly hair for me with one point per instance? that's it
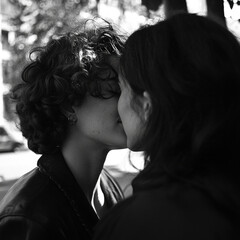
(60, 75)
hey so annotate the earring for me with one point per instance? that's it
(72, 118)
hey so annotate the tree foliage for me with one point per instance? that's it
(36, 21)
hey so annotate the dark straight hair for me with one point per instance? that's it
(190, 66)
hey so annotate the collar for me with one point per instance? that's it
(54, 166)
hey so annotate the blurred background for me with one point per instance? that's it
(29, 23)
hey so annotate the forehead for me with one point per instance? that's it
(122, 79)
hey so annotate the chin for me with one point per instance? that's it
(122, 145)
(135, 146)
(119, 145)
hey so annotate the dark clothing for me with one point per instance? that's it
(207, 208)
(46, 203)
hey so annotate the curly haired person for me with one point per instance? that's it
(67, 107)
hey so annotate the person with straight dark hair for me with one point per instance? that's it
(180, 103)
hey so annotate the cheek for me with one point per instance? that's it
(124, 107)
(120, 106)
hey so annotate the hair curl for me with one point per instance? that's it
(60, 75)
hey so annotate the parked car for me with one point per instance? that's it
(7, 141)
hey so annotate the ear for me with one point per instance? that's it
(70, 114)
(146, 105)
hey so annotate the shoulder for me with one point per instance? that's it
(34, 206)
(12, 226)
(169, 212)
(28, 197)
(20, 211)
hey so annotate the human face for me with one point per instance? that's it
(132, 120)
(98, 119)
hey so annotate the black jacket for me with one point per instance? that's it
(205, 208)
(46, 203)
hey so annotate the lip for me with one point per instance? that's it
(119, 120)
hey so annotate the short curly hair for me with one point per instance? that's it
(60, 75)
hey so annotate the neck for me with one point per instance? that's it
(85, 160)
